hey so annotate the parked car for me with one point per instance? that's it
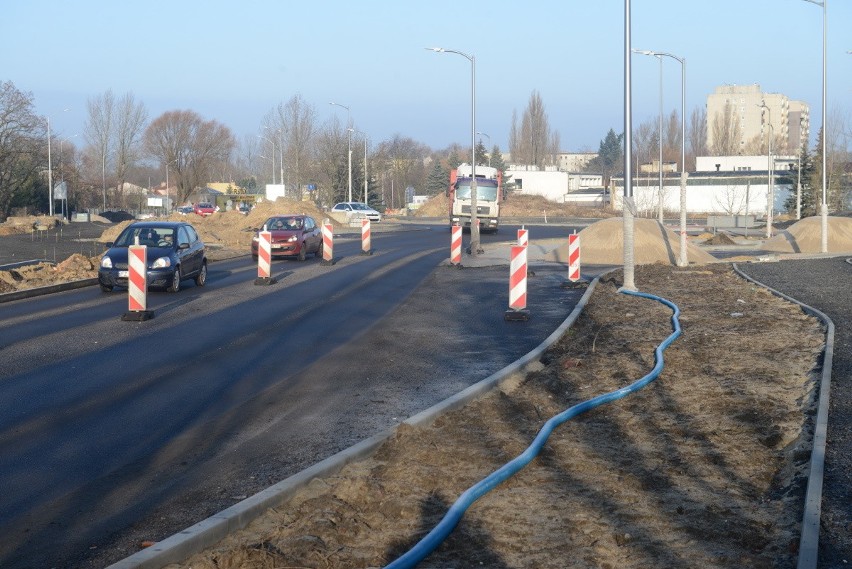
(355, 210)
(185, 209)
(292, 235)
(175, 253)
(204, 209)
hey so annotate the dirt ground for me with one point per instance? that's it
(705, 467)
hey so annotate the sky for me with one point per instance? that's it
(234, 62)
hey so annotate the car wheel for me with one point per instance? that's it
(319, 249)
(175, 284)
(106, 288)
(201, 279)
(303, 252)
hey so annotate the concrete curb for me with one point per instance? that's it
(207, 533)
(809, 538)
(49, 289)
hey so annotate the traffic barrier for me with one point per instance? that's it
(137, 284)
(327, 244)
(518, 285)
(456, 245)
(264, 258)
(574, 257)
(365, 238)
(523, 237)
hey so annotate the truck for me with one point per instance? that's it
(489, 196)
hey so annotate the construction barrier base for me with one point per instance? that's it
(513, 315)
(370, 252)
(574, 284)
(137, 315)
(328, 263)
(265, 281)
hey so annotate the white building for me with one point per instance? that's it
(555, 186)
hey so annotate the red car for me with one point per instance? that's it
(204, 209)
(292, 236)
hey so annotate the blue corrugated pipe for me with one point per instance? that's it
(440, 532)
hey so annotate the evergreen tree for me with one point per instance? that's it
(481, 154)
(438, 180)
(610, 156)
(453, 161)
(498, 163)
(810, 207)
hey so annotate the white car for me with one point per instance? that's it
(355, 210)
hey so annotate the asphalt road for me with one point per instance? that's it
(826, 284)
(119, 432)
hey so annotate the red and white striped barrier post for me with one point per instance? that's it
(518, 285)
(327, 244)
(264, 258)
(456, 245)
(523, 237)
(365, 237)
(137, 284)
(574, 257)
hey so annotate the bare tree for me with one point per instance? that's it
(22, 134)
(696, 136)
(534, 143)
(671, 139)
(192, 147)
(298, 127)
(98, 133)
(129, 122)
(514, 138)
(727, 132)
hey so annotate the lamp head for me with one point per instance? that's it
(435, 49)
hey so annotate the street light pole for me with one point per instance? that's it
(474, 219)
(348, 144)
(824, 206)
(49, 171)
(272, 142)
(682, 260)
(770, 206)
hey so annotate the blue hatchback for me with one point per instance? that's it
(175, 253)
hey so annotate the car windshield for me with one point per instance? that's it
(150, 236)
(485, 191)
(361, 206)
(283, 224)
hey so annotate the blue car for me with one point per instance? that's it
(175, 253)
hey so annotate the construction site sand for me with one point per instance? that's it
(805, 236)
(602, 243)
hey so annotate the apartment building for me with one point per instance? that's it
(750, 117)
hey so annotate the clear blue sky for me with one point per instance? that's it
(235, 61)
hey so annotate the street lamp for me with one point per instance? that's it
(771, 192)
(349, 143)
(365, 162)
(280, 153)
(272, 142)
(824, 207)
(660, 167)
(474, 220)
(682, 261)
(49, 171)
(489, 144)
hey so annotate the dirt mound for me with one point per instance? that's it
(720, 239)
(231, 229)
(602, 243)
(517, 205)
(76, 267)
(805, 236)
(25, 224)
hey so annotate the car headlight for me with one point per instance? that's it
(293, 238)
(161, 263)
(106, 263)
(255, 238)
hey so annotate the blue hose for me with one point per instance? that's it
(451, 519)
